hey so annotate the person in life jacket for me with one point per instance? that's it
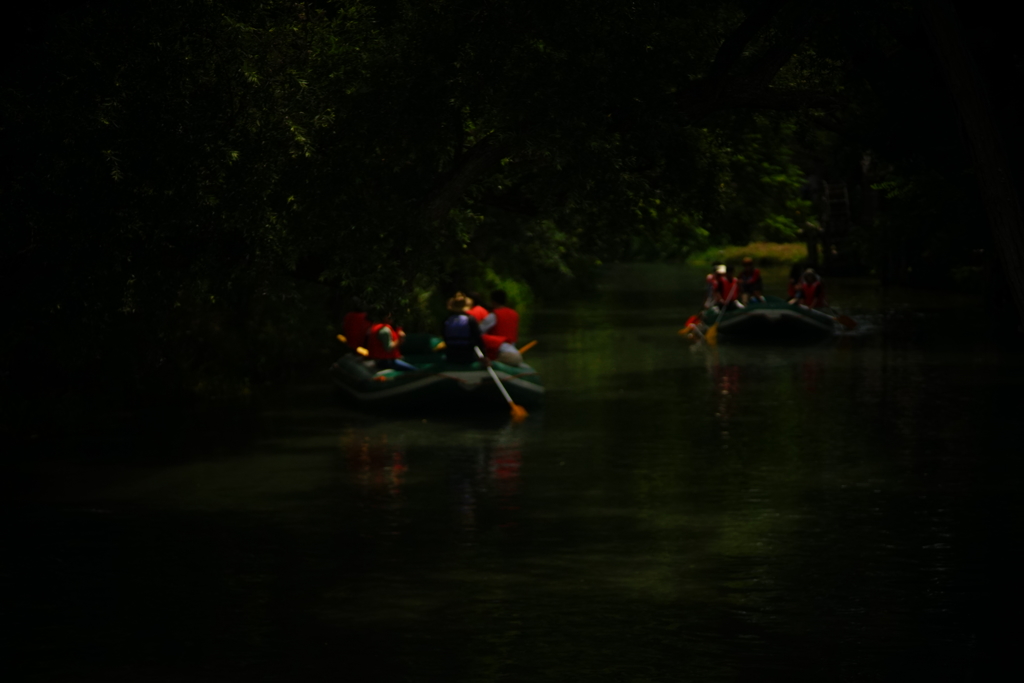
(795, 273)
(382, 342)
(461, 332)
(809, 292)
(476, 308)
(501, 330)
(709, 284)
(751, 285)
(727, 288)
(354, 325)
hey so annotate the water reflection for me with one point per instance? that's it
(377, 464)
(483, 471)
(744, 513)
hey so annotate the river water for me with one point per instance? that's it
(845, 511)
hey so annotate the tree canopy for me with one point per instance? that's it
(166, 157)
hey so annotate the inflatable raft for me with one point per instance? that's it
(774, 320)
(436, 383)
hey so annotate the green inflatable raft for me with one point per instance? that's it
(774, 320)
(436, 384)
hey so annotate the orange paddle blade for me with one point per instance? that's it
(342, 339)
(362, 352)
(518, 413)
(527, 347)
(711, 336)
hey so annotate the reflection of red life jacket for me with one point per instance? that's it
(507, 324)
(791, 289)
(810, 293)
(353, 326)
(491, 344)
(376, 347)
(478, 312)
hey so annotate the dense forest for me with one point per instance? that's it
(194, 188)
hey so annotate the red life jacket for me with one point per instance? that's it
(726, 287)
(507, 324)
(491, 344)
(376, 347)
(353, 326)
(478, 312)
(751, 278)
(811, 293)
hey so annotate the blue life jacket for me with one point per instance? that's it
(457, 332)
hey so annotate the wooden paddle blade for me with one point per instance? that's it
(362, 352)
(342, 339)
(518, 413)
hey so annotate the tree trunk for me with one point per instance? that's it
(1002, 203)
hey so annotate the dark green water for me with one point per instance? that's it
(840, 512)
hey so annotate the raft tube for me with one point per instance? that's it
(436, 384)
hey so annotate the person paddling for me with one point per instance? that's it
(751, 284)
(461, 332)
(382, 342)
(502, 326)
(354, 325)
(809, 292)
(727, 288)
(709, 284)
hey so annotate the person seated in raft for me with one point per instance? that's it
(382, 342)
(795, 273)
(354, 325)
(709, 284)
(500, 329)
(809, 292)
(727, 288)
(461, 332)
(476, 308)
(751, 285)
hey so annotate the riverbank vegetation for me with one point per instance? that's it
(763, 253)
(194, 189)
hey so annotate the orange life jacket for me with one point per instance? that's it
(376, 347)
(507, 324)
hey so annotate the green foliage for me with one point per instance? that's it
(194, 160)
(763, 253)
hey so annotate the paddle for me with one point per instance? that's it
(711, 336)
(527, 347)
(844, 320)
(360, 350)
(518, 412)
